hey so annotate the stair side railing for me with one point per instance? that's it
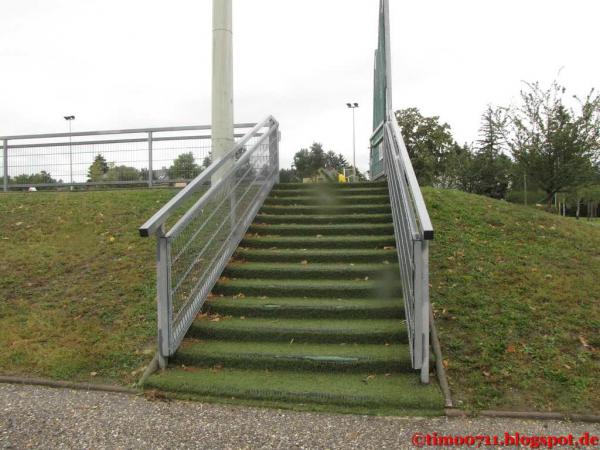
(213, 214)
(413, 231)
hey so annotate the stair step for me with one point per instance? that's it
(327, 210)
(340, 242)
(311, 187)
(377, 190)
(318, 256)
(363, 331)
(323, 219)
(327, 199)
(303, 308)
(295, 356)
(307, 288)
(314, 230)
(348, 271)
(395, 394)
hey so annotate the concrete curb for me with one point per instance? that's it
(525, 415)
(68, 385)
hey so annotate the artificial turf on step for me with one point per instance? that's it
(309, 313)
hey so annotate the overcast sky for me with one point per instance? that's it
(142, 63)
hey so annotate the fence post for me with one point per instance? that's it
(150, 169)
(5, 157)
(163, 297)
(425, 309)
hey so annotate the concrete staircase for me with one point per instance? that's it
(309, 312)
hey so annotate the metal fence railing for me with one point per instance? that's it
(218, 207)
(413, 230)
(79, 160)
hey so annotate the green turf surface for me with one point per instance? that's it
(340, 271)
(300, 242)
(302, 307)
(295, 255)
(323, 230)
(327, 199)
(323, 219)
(294, 356)
(362, 393)
(378, 331)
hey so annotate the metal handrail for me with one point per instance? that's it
(161, 216)
(426, 227)
(124, 131)
(192, 254)
(412, 231)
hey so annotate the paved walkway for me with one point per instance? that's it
(37, 417)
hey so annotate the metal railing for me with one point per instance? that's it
(219, 205)
(140, 156)
(413, 230)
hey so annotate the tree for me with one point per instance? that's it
(555, 144)
(98, 169)
(428, 143)
(491, 168)
(335, 162)
(184, 167)
(308, 162)
(42, 177)
(122, 173)
(288, 176)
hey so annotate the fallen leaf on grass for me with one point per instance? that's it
(511, 348)
(389, 248)
(584, 342)
(155, 395)
(486, 373)
(304, 263)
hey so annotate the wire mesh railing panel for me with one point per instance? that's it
(193, 252)
(129, 157)
(412, 228)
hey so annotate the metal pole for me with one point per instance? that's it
(5, 147)
(163, 298)
(150, 169)
(222, 84)
(353, 145)
(70, 154)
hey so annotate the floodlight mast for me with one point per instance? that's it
(222, 83)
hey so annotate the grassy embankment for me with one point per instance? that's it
(515, 293)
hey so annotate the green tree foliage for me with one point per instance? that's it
(42, 177)
(307, 162)
(428, 142)
(288, 176)
(335, 162)
(556, 145)
(98, 169)
(184, 167)
(122, 173)
(491, 169)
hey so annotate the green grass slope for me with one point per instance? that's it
(515, 293)
(77, 284)
(517, 302)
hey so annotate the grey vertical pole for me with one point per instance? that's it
(222, 84)
(163, 298)
(425, 307)
(5, 147)
(150, 169)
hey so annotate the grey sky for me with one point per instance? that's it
(140, 63)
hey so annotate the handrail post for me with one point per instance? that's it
(5, 157)
(163, 291)
(150, 168)
(274, 151)
(425, 309)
